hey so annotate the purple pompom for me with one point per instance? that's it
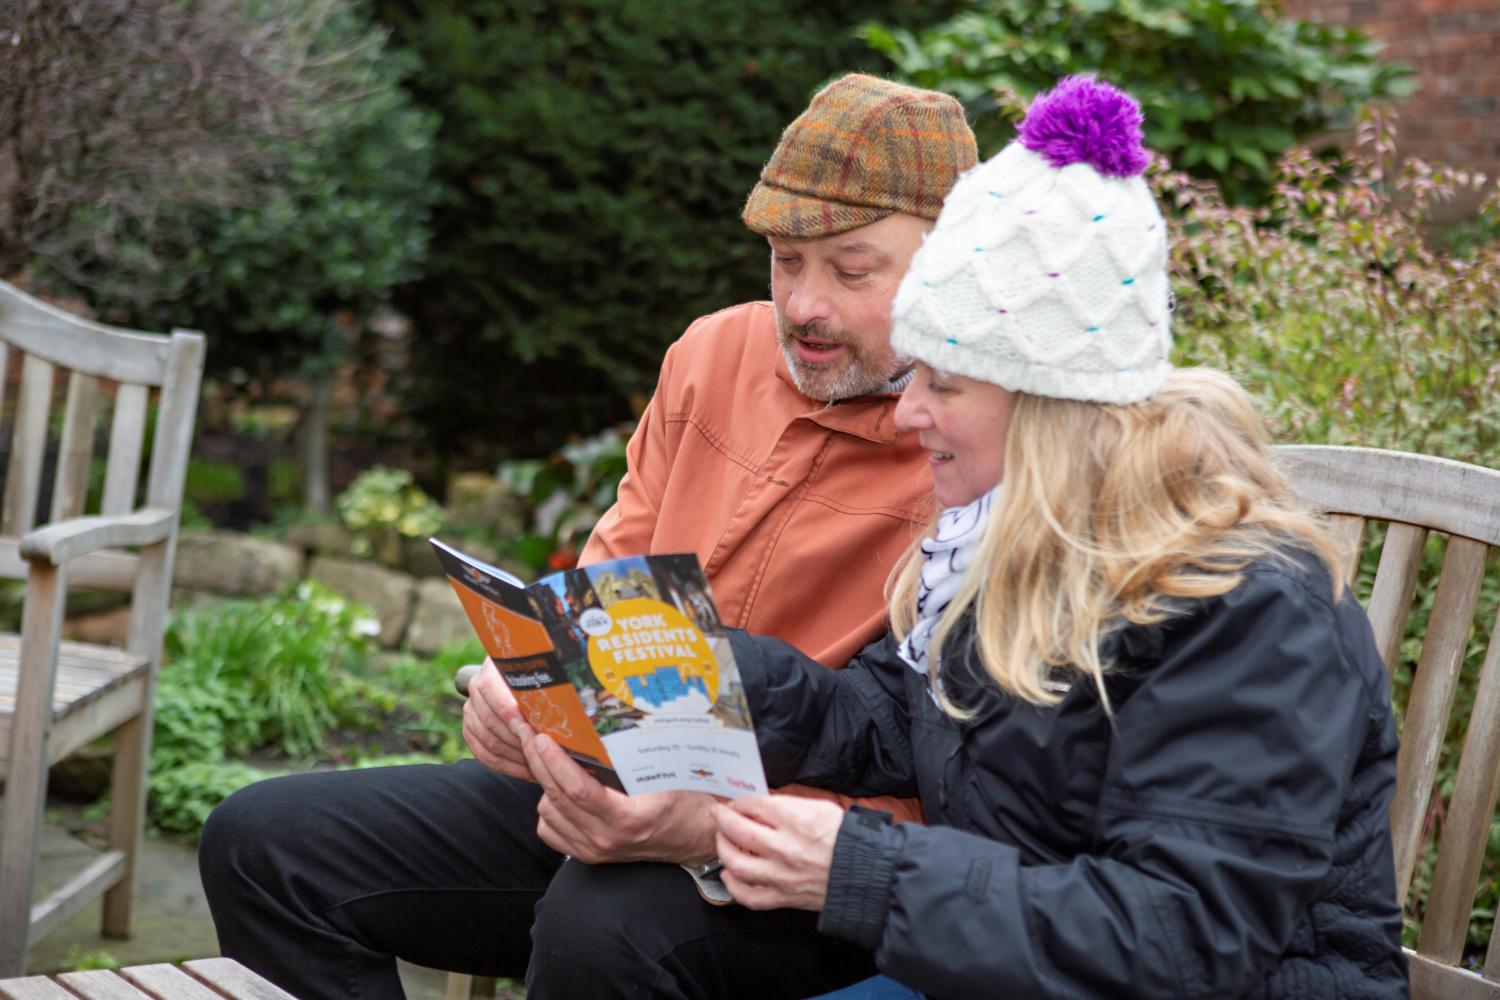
(1082, 120)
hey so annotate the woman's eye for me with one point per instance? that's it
(852, 275)
(786, 261)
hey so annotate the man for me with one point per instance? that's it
(769, 449)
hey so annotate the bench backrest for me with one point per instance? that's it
(97, 368)
(1414, 496)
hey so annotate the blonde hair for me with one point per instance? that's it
(1113, 515)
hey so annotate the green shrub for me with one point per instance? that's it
(423, 705)
(277, 672)
(1334, 305)
(84, 961)
(567, 493)
(208, 482)
(282, 273)
(180, 798)
(385, 502)
(1226, 85)
(593, 158)
(200, 718)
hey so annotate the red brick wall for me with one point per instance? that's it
(1454, 115)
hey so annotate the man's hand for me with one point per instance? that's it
(582, 818)
(777, 850)
(489, 718)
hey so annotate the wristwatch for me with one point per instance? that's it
(710, 886)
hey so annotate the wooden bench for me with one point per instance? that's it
(1414, 497)
(203, 979)
(1411, 497)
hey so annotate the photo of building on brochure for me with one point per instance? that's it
(621, 678)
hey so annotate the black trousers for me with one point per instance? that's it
(320, 881)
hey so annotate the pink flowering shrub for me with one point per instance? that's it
(1338, 306)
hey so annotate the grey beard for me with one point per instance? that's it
(825, 386)
(853, 380)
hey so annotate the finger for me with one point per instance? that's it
(485, 718)
(493, 740)
(746, 834)
(538, 765)
(748, 895)
(502, 697)
(768, 810)
(483, 743)
(574, 786)
(559, 832)
(477, 742)
(490, 689)
(748, 867)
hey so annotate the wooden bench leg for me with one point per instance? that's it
(127, 811)
(26, 786)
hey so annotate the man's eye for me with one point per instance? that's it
(852, 275)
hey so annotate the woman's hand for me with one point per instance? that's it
(777, 850)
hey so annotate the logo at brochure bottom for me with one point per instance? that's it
(653, 658)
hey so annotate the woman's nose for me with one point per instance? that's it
(911, 409)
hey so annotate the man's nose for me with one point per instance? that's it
(807, 301)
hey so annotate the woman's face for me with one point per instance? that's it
(963, 423)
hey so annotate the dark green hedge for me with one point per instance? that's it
(593, 159)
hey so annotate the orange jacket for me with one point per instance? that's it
(797, 509)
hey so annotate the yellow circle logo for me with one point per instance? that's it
(654, 659)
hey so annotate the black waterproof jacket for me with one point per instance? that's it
(1225, 835)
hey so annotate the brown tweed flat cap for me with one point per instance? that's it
(864, 148)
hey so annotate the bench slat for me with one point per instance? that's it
(98, 984)
(1395, 583)
(233, 980)
(167, 982)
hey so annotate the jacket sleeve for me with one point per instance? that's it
(845, 730)
(1223, 784)
(626, 529)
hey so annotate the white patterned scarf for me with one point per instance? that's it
(946, 557)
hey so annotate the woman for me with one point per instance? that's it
(1147, 722)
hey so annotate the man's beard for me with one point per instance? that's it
(854, 372)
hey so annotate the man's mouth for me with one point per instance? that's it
(815, 351)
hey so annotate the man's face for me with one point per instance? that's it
(833, 305)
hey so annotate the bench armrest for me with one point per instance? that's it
(63, 541)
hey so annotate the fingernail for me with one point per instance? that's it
(515, 724)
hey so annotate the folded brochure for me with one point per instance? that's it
(625, 664)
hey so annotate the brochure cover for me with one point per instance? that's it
(625, 664)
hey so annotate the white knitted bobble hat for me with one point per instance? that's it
(1047, 270)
